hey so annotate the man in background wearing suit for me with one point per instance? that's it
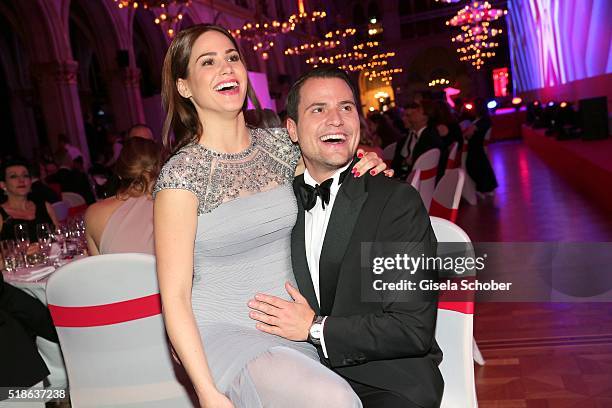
(386, 348)
(421, 138)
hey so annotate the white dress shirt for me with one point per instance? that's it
(411, 141)
(315, 223)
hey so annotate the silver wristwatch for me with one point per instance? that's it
(316, 331)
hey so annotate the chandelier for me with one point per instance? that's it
(168, 13)
(474, 20)
(261, 34)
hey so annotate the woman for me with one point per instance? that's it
(477, 162)
(449, 131)
(124, 223)
(224, 210)
(16, 182)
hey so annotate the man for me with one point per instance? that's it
(420, 139)
(385, 349)
(140, 130)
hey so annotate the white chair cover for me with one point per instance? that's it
(61, 210)
(447, 196)
(108, 316)
(454, 334)
(451, 162)
(73, 199)
(427, 163)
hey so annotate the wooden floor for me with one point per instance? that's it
(539, 355)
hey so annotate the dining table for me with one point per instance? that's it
(33, 281)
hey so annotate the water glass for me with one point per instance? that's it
(43, 234)
(9, 254)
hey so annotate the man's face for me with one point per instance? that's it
(328, 125)
(414, 118)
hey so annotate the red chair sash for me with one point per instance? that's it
(72, 211)
(427, 174)
(438, 210)
(104, 315)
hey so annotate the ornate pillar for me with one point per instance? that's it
(61, 105)
(125, 97)
(25, 123)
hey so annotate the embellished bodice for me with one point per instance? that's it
(215, 178)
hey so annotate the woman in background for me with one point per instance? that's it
(477, 162)
(124, 223)
(16, 182)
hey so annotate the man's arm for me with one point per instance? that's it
(405, 324)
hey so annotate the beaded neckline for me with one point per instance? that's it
(231, 156)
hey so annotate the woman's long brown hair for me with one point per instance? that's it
(181, 115)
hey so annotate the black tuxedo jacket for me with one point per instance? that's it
(385, 344)
(430, 139)
(22, 318)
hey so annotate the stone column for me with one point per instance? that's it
(125, 97)
(25, 123)
(60, 103)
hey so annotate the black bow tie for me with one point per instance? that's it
(308, 194)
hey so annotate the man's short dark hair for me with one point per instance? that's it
(293, 98)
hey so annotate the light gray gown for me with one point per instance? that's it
(246, 212)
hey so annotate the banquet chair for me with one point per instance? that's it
(427, 163)
(107, 313)
(73, 199)
(389, 151)
(447, 195)
(455, 331)
(61, 210)
(452, 162)
(414, 179)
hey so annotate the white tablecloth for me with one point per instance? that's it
(50, 352)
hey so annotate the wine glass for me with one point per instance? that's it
(22, 241)
(9, 255)
(60, 234)
(43, 234)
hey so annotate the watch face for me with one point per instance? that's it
(315, 331)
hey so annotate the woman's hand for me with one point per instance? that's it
(371, 162)
(216, 400)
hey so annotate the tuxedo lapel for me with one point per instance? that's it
(298, 255)
(346, 210)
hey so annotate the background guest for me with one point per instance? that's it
(16, 182)
(140, 130)
(262, 118)
(423, 137)
(124, 223)
(477, 162)
(72, 179)
(448, 128)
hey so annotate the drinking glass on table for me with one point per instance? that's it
(60, 233)
(9, 254)
(22, 242)
(43, 234)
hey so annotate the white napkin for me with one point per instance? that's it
(33, 274)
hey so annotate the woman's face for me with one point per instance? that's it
(217, 79)
(17, 181)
